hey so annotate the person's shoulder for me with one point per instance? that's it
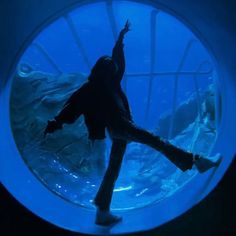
(85, 85)
(79, 93)
(83, 89)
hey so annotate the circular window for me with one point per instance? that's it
(169, 81)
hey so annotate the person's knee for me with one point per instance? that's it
(119, 144)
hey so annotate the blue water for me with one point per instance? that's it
(66, 163)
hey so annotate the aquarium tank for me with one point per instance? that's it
(169, 81)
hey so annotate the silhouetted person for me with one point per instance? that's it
(104, 105)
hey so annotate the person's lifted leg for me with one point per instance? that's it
(127, 130)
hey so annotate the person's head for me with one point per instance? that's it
(104, 70)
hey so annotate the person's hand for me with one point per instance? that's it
(51, 127)
(126, 28)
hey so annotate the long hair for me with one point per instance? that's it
(103, 70)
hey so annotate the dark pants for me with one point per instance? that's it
(121, 133)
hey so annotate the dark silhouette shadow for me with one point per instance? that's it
(105, 106)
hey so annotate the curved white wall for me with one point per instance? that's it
(211, 23)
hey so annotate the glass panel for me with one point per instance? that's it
(67, 162)
(94, 30)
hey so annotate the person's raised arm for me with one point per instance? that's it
(71, 111)
(118, 52)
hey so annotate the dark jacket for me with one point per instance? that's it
(102, 107)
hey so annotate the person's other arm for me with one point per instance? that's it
(118, 52)
(72, 110)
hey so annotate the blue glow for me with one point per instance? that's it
(66, 162)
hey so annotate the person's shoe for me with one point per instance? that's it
(105, 218)
(204, 164)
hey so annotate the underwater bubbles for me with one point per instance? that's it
(24, 69)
